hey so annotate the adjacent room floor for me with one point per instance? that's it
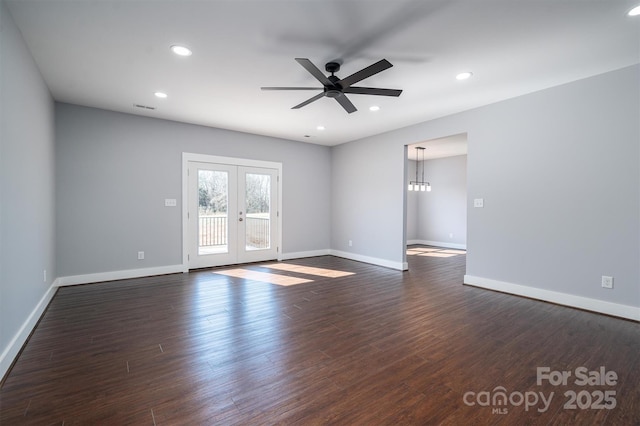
(321, 341)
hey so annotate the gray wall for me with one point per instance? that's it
(367, 188)
(558, 171)
(114, 171)
(26, 183)
(443, 211)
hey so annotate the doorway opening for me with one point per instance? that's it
(437, 217)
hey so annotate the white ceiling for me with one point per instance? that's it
(449, 146)
(113, 54)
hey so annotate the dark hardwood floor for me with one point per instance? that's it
(338, 342)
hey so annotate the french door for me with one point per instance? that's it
(232, 214)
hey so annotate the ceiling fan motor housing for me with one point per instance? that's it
(332, 67)
(336, 89)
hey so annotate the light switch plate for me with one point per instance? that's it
(478, 202)
(170, 202)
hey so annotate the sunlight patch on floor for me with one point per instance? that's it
(434, 252)
(264, 277)
(423, 249)
(308, 270)
(452, 251)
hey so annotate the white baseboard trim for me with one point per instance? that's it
(438, 244)
(595, 305)
(119, 275)
(14, 346)
(400, 266)
(301, 254)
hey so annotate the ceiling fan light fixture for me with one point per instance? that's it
(464, 75)
(634, 12)
(161, 95)
(419, 185)
(181, 50)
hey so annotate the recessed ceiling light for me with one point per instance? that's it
(161, 95)
(635, 11)
(320, 128)
(464, 75)
(374, 108)
(181, 50)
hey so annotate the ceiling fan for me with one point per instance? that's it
(336, 88)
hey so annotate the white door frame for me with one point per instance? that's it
(204, 158)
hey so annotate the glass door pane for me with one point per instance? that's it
(258, 211)
(258, 214)
(213, 217)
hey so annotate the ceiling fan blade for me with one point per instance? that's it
(346, 103)
(319, 75)
(308, 101)
(381, 65)
(291, 88)
(372, 91)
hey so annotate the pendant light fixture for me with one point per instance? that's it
(419, 185)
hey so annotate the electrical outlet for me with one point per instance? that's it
(607, 282)
(478, 202)
(44, 275)
(140, 255)
(350, 243)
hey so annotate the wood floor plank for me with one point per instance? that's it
(354, 344)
